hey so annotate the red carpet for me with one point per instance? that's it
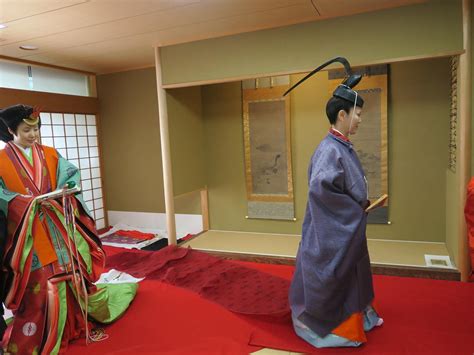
(165, 319)
(421, 316)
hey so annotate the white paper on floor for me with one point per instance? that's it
(117, 277)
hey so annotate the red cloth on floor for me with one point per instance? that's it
(187, 237)
(135, 234)
(236, 287)
(103, 230)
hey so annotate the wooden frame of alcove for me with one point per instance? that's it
(464, 124)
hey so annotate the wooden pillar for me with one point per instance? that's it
(464, 135)
(165, 151)
(205, 209)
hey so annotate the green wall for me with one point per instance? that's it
(130, 143)
(426, 30)
(418, 126)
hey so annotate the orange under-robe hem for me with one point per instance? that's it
(352, 328)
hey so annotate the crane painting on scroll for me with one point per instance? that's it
(268, 153)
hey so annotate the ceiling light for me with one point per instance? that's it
(28, 47)
(2, 26)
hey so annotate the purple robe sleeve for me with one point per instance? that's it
(334, 240)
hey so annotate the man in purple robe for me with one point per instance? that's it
(331, 293)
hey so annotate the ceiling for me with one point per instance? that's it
(104, 36)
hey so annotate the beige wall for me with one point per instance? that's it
(420, 30)
(419, 103)
(186, 139)
(419, 106)
(207, 148)
(206, 123)
(130, 143)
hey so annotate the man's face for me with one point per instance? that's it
(356, 120)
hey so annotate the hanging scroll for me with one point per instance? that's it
(371, 140)
(268, 172)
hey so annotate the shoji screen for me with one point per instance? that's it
(75, 138)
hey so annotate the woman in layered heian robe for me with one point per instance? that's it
(50, 263)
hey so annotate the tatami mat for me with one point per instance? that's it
(284, 245)
(383, 252)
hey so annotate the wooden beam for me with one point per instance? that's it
(39, 64)
(464, 137)
(49, 102)
(165, 152)
(303, 71)
(185, 194)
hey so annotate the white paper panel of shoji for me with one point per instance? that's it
(75, 138)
